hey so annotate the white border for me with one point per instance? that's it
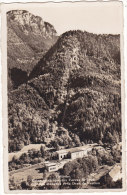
(124, 106)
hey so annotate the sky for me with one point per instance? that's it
(95, 17)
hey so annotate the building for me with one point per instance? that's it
(62, 154)
(55, 166)
(67, 155)
(52, 167)
(78, 154)
(116, 172)
(73, 153)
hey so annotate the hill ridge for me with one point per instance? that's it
(75, 85)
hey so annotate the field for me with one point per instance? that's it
(21, 175)
(25, 149)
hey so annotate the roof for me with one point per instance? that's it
(50, 164)
(76, 149)
(115, 172)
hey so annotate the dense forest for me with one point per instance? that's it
(72, 96)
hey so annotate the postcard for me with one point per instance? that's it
(63, 97)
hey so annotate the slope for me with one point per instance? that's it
(29, 37)
(79, 81)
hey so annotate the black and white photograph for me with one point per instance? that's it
(64, 89)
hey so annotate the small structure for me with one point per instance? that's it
(52, 167)
(55, 166)
(62, 154)
(116, 173)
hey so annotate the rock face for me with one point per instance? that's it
(32, 24)
(77, 84)
(29, 37)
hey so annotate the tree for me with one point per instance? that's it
(42, 150)
(116, 155)
(94, 163)
(77, 140)
(24, 157)
(56, 146)
(77, 174)
(24, 185)
(14, 158)
(20, 145)
(68, 167)
(110, 138)
(29, 179)
(53, 181)
(107, 160)
(12, 182)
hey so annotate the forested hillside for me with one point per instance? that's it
(74, 93)
(28, 38)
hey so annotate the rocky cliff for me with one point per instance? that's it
(28, 38)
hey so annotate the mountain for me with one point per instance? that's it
(75, 86)
(28, 38)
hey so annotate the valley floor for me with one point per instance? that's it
(39, 177)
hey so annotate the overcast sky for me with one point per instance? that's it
(91, 17)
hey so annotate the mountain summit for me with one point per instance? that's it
(31, 24)
(28, 38)
(85, 56)
(73, 48)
